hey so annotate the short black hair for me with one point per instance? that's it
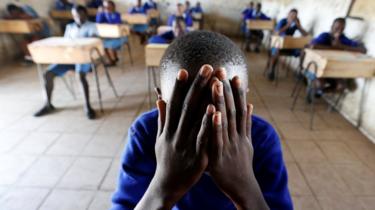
(339, 19)
(80, 8)
(111, 3)
(294, 10)
(194, 49)
(13, 7)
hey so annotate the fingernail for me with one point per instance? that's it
(206, 71)
(182, 75)
(210, 109)
(236, 82)
(221, 73)
(217, 118)
(219, 89)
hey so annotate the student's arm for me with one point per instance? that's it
(99, 17)
(189, 21)
(282, 26)
(234, 155)
(300, 28)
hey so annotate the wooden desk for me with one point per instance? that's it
(260, 24)
(112, 30)
(134, 19)
(289, 42)
(163, 29)
(153, 13)
(20, 26)
(60, 50)
(197, 16)
(64, 50)
(67, 14)
(340, 64)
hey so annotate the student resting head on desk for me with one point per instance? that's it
(334, 40)
(62, 5)
(202, 149)
(255, 35)
(140, 29)
(26, 12)
(79, 29)
(111, 16)
(178, 29)
(180, 12)
(285, 27)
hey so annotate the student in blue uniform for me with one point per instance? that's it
(26, 12)
(111, 16)
(80, 28)
(140, 29)
(180, 13)
(154, 21)
(178, 29)
(63, 5)
(188, 9)
(334, 40)
(286, 27)
(150, 4)
(248, 10)
(255, 35)
(198, 8)
(235, 166)
(94, 4)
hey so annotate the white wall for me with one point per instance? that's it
(315, 15)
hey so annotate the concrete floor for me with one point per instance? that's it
(64, 161)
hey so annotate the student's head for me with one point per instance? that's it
(180, 9)
(197, 48)
(293, 14)
(251, 5)
(14, 10)
(179, 27)
(139, 3)
(198, 4)
(80, 14)
(109, 6)
(187, 4)
(258, 7)
(338, 26)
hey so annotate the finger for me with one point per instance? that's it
(161, 105)
(249, 120)
(240, 102)
(219, 102)
(230, 108)
(174, 105)
(192, 101)
(204, 131)
(217, 137)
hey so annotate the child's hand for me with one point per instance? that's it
(231, 154)
(181, 154)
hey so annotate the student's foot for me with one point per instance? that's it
(47, 109)
(271, 76)
(90, 113)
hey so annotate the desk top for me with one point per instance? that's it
(65, 50)
(113, 30)
(340, 64)
(154, 54)
(260, 24)
(290, 42)
(20, 26)
(135, 18)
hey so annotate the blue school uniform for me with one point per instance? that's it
(188, 20)
(289, 32)
(138, 164)
(150, 5)
(111, 18)
(326, 39)
(59, 5)
(141, 28)
(88, 29)
(254, 15)
(164, 38)
(197, 9)
(95, 4)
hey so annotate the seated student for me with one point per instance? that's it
(94, 4)
(26, 12)
(198, 8)
(184, 157)
(178, 29)
(187, 7)
(248, 10)
(150, 4)
(180, 12)
(111, 16)
(63, 5)
(255, 35)
(139, 29)
(285, 27)
(80, 28)
(335, 40)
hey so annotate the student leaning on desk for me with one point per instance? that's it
(79, 29)
(334, 40)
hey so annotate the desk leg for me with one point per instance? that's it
(362, 103)
(130, 53)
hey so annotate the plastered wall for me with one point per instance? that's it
(316, 16)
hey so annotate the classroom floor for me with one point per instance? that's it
(66, 162)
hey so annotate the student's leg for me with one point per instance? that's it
(259, 39)
(273, 62)
(82, 70)
(248, 35)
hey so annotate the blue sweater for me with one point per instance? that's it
(138, 166)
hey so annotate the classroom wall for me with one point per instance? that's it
(316, 16)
